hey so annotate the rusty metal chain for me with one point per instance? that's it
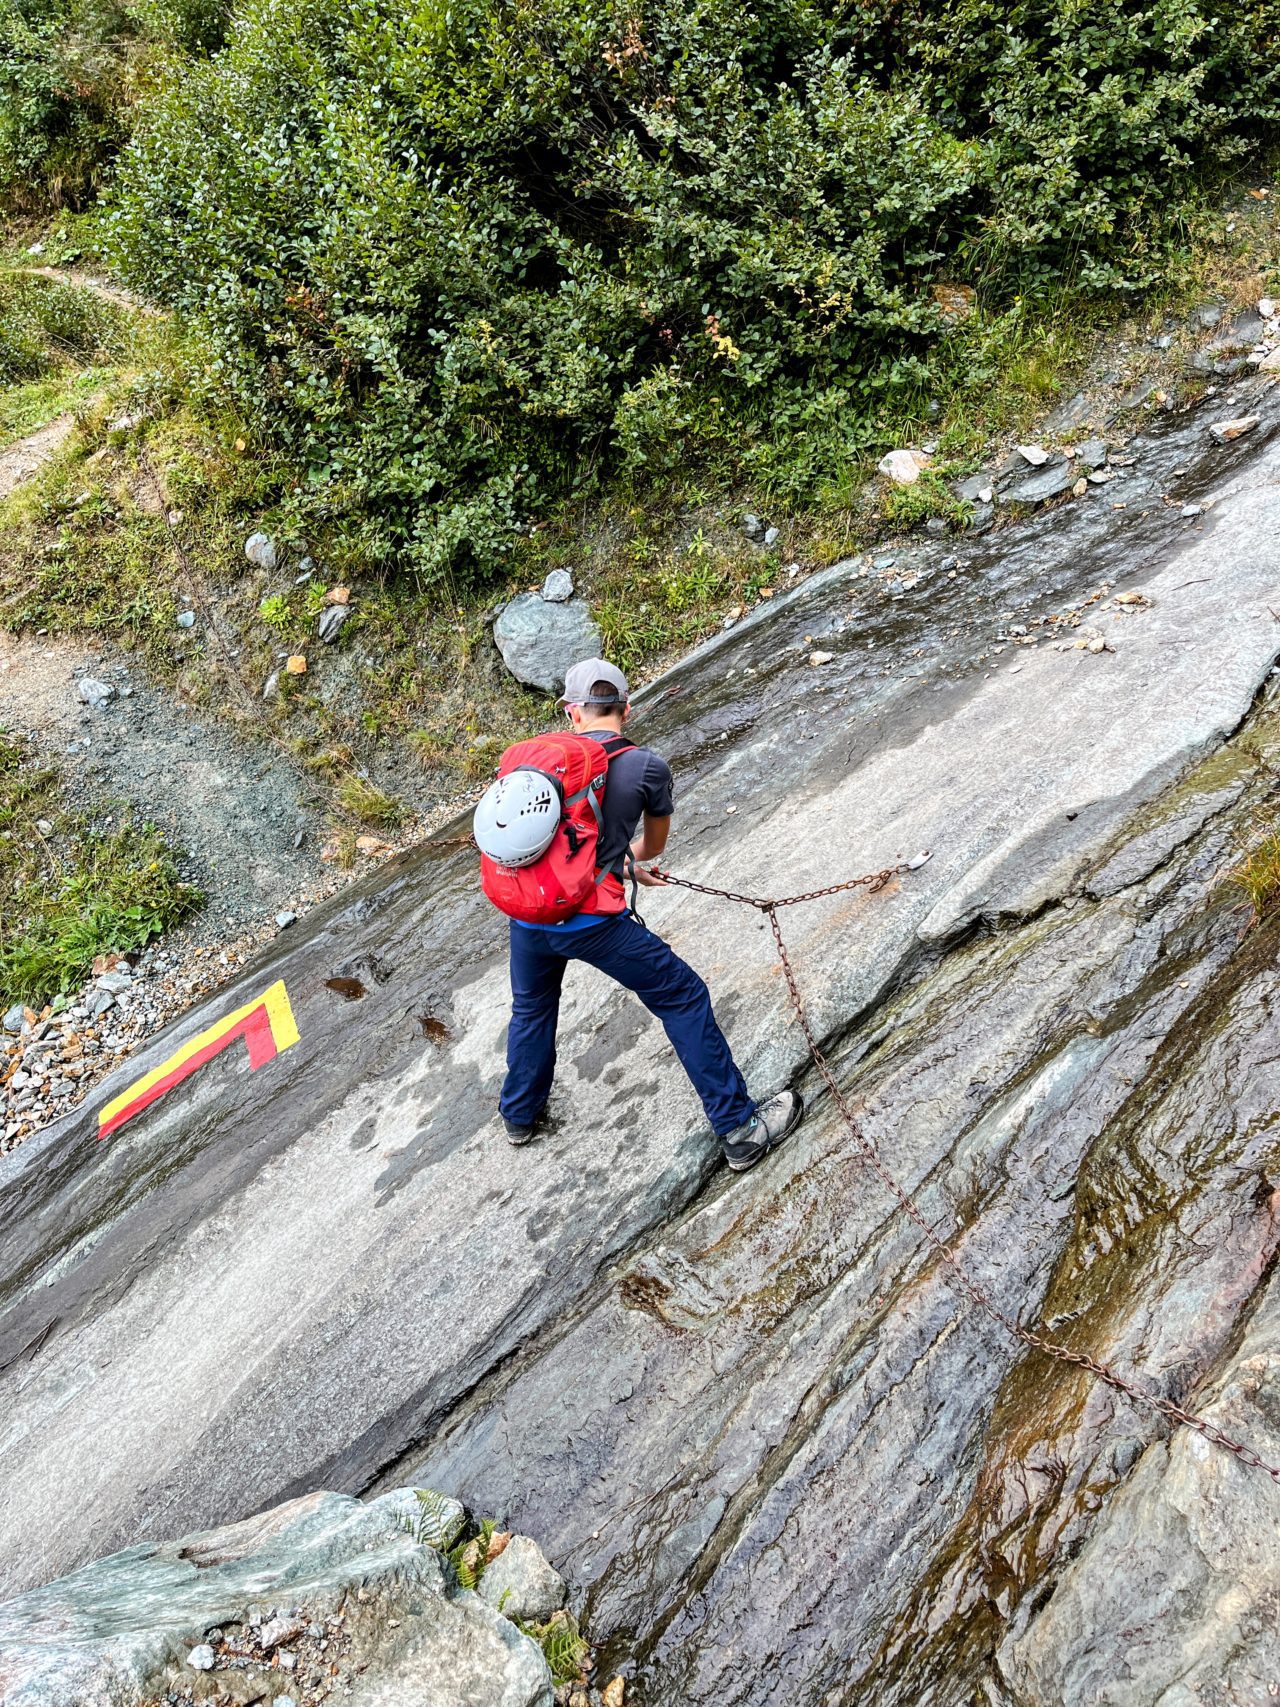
(957, 1273)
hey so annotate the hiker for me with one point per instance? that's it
(567, 905)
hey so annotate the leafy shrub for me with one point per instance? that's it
(458, 260)
(70, 73)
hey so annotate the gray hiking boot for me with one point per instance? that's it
(522, 1134)
(769, 1125)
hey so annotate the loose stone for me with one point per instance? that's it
(903, 466)
(94, 693)
(259, 549)
(558, 586)
(1227, 431)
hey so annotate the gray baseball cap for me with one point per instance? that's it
(581, 678)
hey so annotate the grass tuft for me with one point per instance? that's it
(361, 799)
(72, 887)
(1259, 876)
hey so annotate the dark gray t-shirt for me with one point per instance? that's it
(639, 782)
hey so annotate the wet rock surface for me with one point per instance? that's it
(703, 1394)
(320, 1599)
(1191, 1544)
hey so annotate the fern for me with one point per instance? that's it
(563, 1647)
(470, 1555)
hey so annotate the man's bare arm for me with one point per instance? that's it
(649, 844)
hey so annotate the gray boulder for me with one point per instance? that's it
(130, 1627)
(539, 639)
(1039, 487)
(521, 1584)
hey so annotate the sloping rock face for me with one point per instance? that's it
(218, 1613)
(1192, 1534)
(776, 1454)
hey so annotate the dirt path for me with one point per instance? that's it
(96, 287)
(20, 460)
(238, 809)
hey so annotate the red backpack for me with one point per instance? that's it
(564, 880)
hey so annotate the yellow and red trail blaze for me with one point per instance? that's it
(266, 1024)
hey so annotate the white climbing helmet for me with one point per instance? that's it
(517, 817)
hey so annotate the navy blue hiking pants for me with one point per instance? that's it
(630, 953)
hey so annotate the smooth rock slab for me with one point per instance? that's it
(539, 639)
(1193, 1538)
(131, 1626)
(288, 1223)
(1039, 488)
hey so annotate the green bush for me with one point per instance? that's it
(70, 74)
(458, 260)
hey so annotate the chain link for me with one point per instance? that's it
(958, 1275)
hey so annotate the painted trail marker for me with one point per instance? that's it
(266, 1024)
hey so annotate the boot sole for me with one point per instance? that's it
(797, 1116)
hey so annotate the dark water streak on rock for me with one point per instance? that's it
(751, 1421)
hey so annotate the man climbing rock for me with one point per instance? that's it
(559, 800)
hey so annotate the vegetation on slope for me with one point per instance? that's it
(72, 75)
(470, 292)
(460, 262)
(73, 886)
